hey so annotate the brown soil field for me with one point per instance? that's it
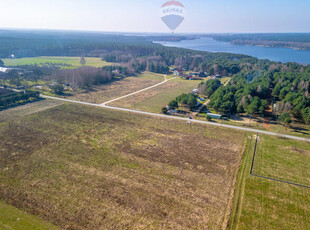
(80, 167)
(103, 93)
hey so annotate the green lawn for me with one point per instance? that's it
(267, 204)
(157, 102)
(225, 80)
(13, 218)
(73, 61)
(151, 76)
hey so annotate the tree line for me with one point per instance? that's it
(11, 99)
(86, 76)
(187, 100)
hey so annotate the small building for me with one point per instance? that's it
(202, 74)
(197, 78)
(215, 116)
(218, 76)
(6, 70)
(196, 91)
(177, 72)
(3, 70)
(187, 76)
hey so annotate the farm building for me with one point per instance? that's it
(177, 72)
(6, 70)
(195, 91)
(215, 116)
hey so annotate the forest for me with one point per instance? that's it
(300, 41)
(86, 76)
(287, 91)
(255, 86)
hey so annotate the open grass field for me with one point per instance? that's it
(116, 89)
(295, 129)
(12, 218)
(27, 109)
(80, 167)
(155, 99)
(267, 204)
(73, 61)
(225, 80)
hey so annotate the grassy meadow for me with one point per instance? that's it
(12, 218)
(267, 204)
(72, 61)
(155, 99)
(80, 167)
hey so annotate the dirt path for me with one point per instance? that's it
(200, 108)
(139, 91)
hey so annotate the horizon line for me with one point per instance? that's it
(135, 32)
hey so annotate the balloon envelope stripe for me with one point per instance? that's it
(170, 3)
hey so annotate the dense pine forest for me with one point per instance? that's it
(255, 85)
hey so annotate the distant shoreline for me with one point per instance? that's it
(260, 51)
(289, 41)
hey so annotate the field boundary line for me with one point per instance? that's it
(240, 187)
(269, 178)
(253, 160)
(281, 181)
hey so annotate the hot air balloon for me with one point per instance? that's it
(172, 14)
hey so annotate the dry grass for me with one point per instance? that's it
(155, 99)
(116, 89)
(27, 109)
(86, 168)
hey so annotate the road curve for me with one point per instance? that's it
(180, 118)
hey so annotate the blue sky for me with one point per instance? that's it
(202, 16)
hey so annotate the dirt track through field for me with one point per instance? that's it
(139, 91)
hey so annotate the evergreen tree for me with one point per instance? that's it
(83, 61)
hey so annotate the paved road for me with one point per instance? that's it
(139, 91)
(181, 118)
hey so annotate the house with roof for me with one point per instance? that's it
(177, 72)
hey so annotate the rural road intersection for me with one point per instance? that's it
(177, 118)
(104, 105)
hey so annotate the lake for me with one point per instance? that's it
(273, 54)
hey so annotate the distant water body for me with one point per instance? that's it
(273, 54)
